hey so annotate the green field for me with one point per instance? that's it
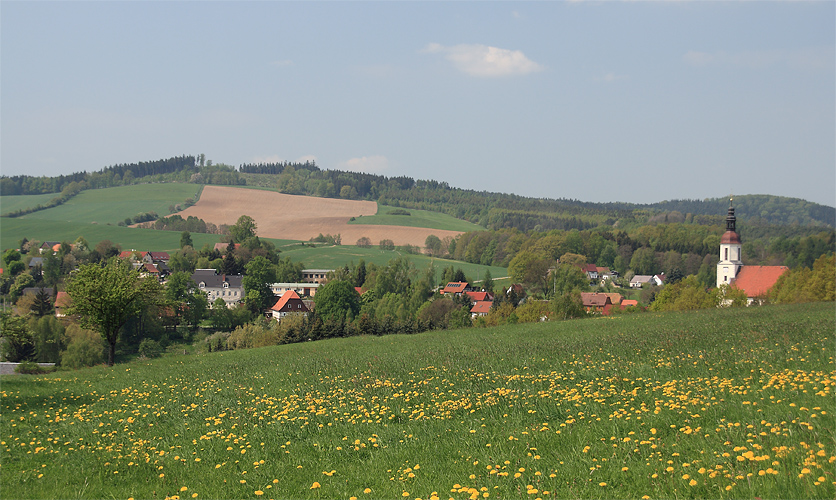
(417, 218)
(330, 257)
(734, 403)
(20, 202)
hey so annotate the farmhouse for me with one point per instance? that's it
(224, 286)
(315, 275)
(596, 302)
(289, 303)
(481, 308)
(754, 280)
(455, 287)
(640, 280)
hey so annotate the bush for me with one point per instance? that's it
(150, 348)
(84, 348)
(32, 368)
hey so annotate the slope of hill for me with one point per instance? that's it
(732, 403)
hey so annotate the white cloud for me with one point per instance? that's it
(810, 58)
(368, 164)
(485, 61)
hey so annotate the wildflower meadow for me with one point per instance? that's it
(733, 403)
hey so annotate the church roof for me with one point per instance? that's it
(757, 280)
(730, 237)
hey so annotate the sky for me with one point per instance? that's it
(596, 101)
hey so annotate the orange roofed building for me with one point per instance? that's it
(754, 280)
(290, 302)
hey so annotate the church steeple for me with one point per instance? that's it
(731, 258)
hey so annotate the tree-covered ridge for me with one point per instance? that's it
(491, 210)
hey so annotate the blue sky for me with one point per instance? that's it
(597, 101)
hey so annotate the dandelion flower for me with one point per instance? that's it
(315, 485)
(259, 493)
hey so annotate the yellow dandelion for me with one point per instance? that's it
(602, 484)
(259, 493)
(367, 491)
(184, 488)
(315, 485)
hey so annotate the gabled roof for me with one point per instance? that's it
(454, 287)
(629, 303)
(159, 255)
(62, 299)
(590, 299)
(36, 261)
(129, 253)
(479, 296)
(212, 279)
(149, 268)
(590, 268)
(602, 270)
(757, 280)
(615, 298)
(641, 278)
(287, 297)
(481, 307)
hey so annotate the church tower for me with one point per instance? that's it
(730, 252)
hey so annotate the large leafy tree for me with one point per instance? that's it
(244, 228)
(106, 297)
(260, 274)
(337, 299)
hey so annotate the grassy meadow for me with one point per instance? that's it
(416, 218)
(330, 257)
(15, 203)
(718, 403)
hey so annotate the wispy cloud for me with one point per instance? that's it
(811, 58)
(368, 164)
(485, 61)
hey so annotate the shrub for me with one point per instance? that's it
(84, 348)
(32, 368)
(150, 348)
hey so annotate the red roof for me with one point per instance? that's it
(481, 307)
(454, 287)
(730, 237)
(595, 299)
(629, 303)
(149, 268)
(757, 280)
(62, 299)
(590, 268)
(479, 296)
(287, 297)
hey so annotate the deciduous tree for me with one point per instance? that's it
(106, 297)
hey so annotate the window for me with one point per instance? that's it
(727, 254)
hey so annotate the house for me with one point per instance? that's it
(615, 298)
(628, 303)
(315, 275)
(481, 308)
(134, 255)
(640, 280)
(157, 257)
(289, 303)
(146, 269)
(659, 279)
(455, 287)
(517, 289)
(62, 301)
(49, 245)
(35, 262)
(596, 302)
(754, 280)
(301, 289)
(591, 271)
(228, 287)
(480, 296)
(757, 280)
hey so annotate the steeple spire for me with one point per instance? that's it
(730, 218)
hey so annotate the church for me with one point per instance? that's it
(754, 280)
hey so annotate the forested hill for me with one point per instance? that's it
(491, 210)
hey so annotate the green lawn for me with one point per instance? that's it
(417, 218)
(20, 202)
(330, 257)
(113, 205)
(710, 404)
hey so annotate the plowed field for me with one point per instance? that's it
(290, 217)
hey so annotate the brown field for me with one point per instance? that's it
(290, 217)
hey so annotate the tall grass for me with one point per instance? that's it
(720, 404)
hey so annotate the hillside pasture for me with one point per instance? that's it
(331, 257)
(22, 202)
(291, 217)
(734, 403)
